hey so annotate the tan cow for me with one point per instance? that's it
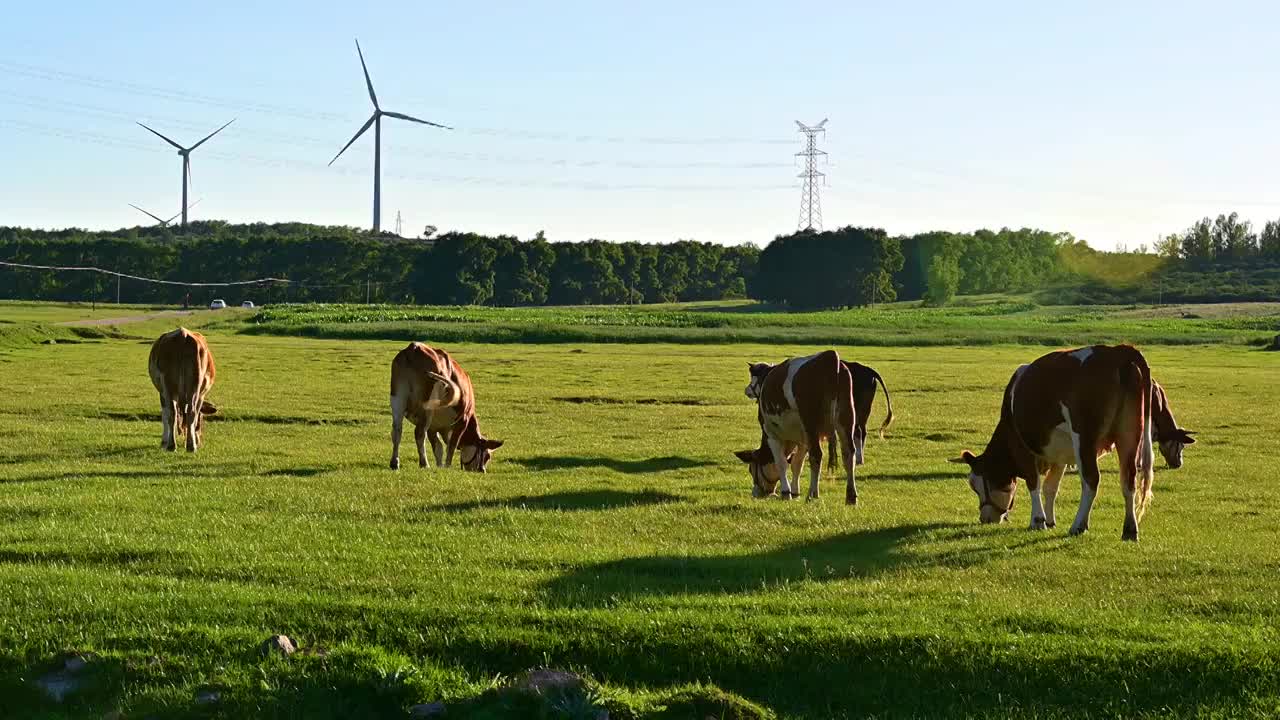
(801, 401)
(435, 393)
(182, 370)
(1069, 407)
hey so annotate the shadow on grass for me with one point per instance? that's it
(567, 501)
(936, 475)
(647, 465)
(859, 554)
(232, 417)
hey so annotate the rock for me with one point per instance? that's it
(278, 644)
(541, 680)
(427, 710)
(58, 685)
(208, 697)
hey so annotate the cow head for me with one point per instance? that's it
(764, 472)
(1171, 446)
(996, 490)
(475, 451)
(756, 384)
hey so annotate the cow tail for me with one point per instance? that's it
(189, 383)
(888, 401)
(453, 393)
(1146, 449)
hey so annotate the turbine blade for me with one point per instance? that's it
(164, 138)
(402, 116)
(355, 137)
(367, 81)
(144, 212)
(215, 132)
(175, 217)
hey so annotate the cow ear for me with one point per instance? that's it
(966, 457)
(493, 444)
(1186, 436)
(746, 456)
(208, 408)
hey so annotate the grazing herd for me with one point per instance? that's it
(1066, 409)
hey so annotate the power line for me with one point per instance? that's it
(37, 72)
(810, 200)
(157, 281)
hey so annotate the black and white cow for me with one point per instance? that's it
(801, 401)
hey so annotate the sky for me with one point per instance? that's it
(1116, 121)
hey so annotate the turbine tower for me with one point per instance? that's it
(376, 121)
(185, 154)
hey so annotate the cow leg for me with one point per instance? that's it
(455, 437)
(1037, 509)
(832, 456)
(815, 468)
(798, 456)
(780, 461)
(437, 447)
(850, 455)
(168, 418)
(1050, 486)
(1128, 456)
(860, 441)
(420, 439)
(397, 429)
(1087, 462)
(190, 418)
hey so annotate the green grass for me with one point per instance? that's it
(1003, 321)
(615, 536)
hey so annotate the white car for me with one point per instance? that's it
(247, 304)
(217, 304)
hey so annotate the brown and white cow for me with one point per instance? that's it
(1069, 407)
(1170, 438)
(182, 370)
(864, 396)
(802, 400)
(433, 390)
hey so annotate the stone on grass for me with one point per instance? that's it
(208, 697)
(427, 710)
(280, 644)
(542, 680)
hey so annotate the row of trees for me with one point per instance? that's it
(840, 268)
(1226, 238)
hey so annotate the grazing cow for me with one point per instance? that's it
(864, 395)
(436, 394)
(1165, 431)
(1069, 407)
(802, 400)
(182, 370)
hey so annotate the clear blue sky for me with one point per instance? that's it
(1116, 121)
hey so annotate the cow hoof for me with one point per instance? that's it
(395, 463)
(1078, 530)
(811, 497)
(1130, 533)
(422, 463)
(851, 500)
(1037, 524)
(1049, 524)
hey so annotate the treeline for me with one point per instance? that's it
(339, 264)
(1221, 260)
(1228, 238)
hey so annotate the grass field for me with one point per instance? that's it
(614, 535)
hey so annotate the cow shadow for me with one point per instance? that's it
(571, 501)
(857, 554)
(936, 475)
(631, 467)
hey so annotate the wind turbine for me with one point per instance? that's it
(163, 223)
(185, 153)
(376, 121)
